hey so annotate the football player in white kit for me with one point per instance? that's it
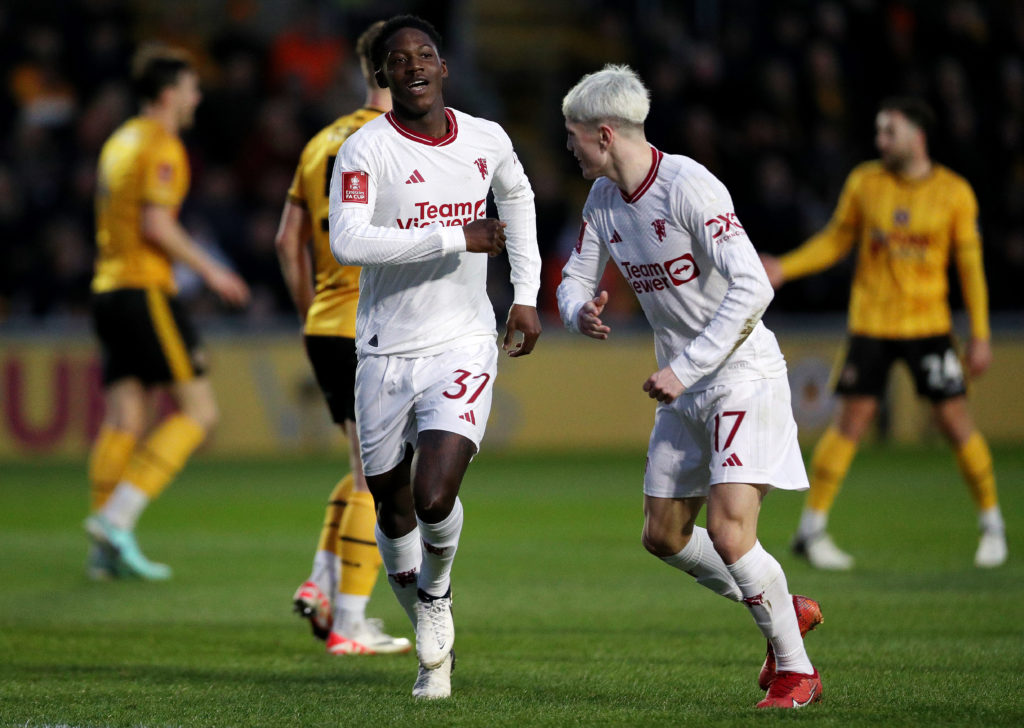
(723, 431)
(408, 203)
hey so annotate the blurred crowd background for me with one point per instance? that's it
(776, 97)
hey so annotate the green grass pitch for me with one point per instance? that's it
(562, 618)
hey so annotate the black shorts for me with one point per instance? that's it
(334, 365)
(147, 335)
(933, 363)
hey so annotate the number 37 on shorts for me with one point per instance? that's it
(465, 385)
(397, 398)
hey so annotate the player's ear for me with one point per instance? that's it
(444, 69)
(605, 134)
(380, 78)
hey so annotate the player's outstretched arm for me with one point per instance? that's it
(485, 236)
(161, 228)
(524, 320)
(589, 318)
(773, 268)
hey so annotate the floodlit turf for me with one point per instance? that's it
(562, 618)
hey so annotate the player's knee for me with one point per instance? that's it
(728, 540)
(205, 414)
(394, 523)
(434, 507)
(133, 423)
(662, 542)
(855, 417)
(654, 546)
(954, 421)
(126, 416)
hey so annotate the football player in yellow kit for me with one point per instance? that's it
(147, 339)
(907, 215)
(347, 563)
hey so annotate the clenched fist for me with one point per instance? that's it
(485, 236)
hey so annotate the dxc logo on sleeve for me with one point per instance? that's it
(724, 227)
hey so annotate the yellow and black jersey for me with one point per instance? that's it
(905, 231)
(333, 311)
(140, 164)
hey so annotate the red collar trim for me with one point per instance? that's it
(652, 174)
(453, 130)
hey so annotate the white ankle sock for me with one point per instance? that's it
(812, 522)
(440, 542)
(402, 558)
(349, 610)
(124, 506)
(700, 560)
(766, 594)
(991, 519)
(325, 572)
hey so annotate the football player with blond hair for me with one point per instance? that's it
(724, 434)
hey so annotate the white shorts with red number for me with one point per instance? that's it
(743, 432)
(399, 397)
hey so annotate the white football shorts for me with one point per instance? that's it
(743, 432)
(399, 397)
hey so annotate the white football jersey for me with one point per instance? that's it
(678, 243)
(398, 202)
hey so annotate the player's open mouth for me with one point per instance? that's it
(418, 85)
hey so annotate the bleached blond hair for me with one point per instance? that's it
(613, 94)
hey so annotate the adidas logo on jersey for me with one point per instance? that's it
(732, 460)
(415, 177)
(468, 417)
(616, 238)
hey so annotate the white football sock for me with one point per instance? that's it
(766, 594)
(440, 542)
(124, 506)
(349, 611)
(402, 558)
(325, 572)
(991, 519)
(812, 522)
(700, 560)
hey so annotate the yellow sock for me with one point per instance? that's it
(975, 461)
(336, 505)
(360, 559)
(831, 461)
(163, 454)
(107, 462)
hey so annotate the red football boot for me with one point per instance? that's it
(312, 604)
(792, 690)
